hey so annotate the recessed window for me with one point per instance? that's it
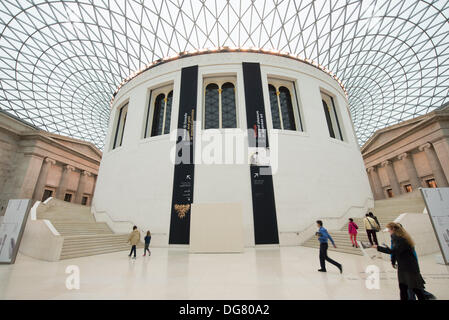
(84, 200)
(285, 113)
(68, 197)
(120, 126)
(330, 112)
(431, 183)
(408, 188)
(390, 193)
(220, 109)
(159, 112)
(47, 194)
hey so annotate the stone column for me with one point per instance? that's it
(406, 158)
(435, 165)
(26, 175)
(42, 180)
(442, 151)
(94, 185)
(81, 186)
(377, 185)
(394, 184)
(62, 188)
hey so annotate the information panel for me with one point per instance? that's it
(11, 228)
(264, 208)
(182, 197)
(437, 203)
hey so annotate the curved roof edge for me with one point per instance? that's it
(192, 53)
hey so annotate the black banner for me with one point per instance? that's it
(184, 166)
(264, 206)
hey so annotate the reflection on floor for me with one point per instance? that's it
(263, 273)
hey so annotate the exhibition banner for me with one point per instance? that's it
(11, 228)
(182, 197)
(264, 206)
(437, 203)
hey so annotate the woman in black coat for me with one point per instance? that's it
(402, 247)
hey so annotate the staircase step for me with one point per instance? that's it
(350, 250)
(124, 246)
(386, 211)
(79, 254)
(83, 236)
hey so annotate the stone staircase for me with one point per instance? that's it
(83, 236)
(386, 211)
(82, 246)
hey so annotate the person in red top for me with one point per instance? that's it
(352, 229)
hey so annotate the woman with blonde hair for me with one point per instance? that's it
(402, 252)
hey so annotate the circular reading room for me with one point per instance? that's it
(265, 138)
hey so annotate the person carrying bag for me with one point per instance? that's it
(371, 228)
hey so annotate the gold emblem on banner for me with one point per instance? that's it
(182, 209)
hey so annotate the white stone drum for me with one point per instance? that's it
(311, 169)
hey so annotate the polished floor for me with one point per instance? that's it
(263, 273)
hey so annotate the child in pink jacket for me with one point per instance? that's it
(352, 229)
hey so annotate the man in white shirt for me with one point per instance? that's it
(371, 227)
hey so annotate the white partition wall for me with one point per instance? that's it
(216, 228)
(315, 176)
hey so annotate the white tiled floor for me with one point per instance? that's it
(263, 273)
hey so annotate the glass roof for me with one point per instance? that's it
(61, 61)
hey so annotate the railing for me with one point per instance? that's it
(332, 222)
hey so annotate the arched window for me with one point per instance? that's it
(168, 112)
(220, 110)
(158, 118)
(274, 107)
(229, 119)
(328, 119)
(158, 115)
(285, 113)
(120, 126)
(211, 107)
(285, 101)
(330, 112)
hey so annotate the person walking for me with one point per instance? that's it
(371, 227)
(352, 229)
(133, 239)
(409, 275)
(147, 244)
(410, 292)
(323, 237)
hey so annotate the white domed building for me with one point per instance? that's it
(194, 129)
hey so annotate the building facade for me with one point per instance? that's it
(409, 155)
(35, 164)
(220, 106)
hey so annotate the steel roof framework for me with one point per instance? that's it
(60, 61)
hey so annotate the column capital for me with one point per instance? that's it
(86, 173)
(425, 146)
(385, 163)
(403, 155)
(50, 160)
(371, 169)
(68, 167)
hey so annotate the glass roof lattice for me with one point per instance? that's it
(61, 61)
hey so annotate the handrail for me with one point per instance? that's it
(344, 214)
(105, 212)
